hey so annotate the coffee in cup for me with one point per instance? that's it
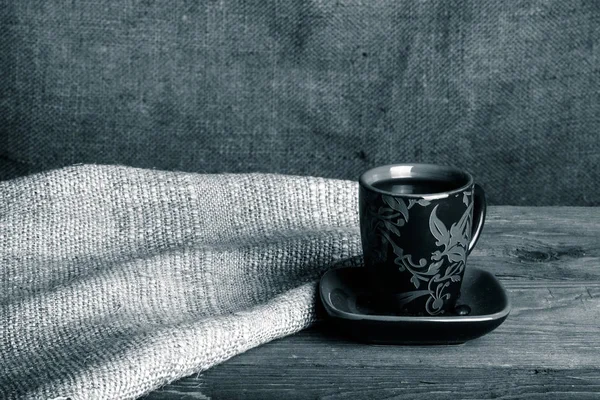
(418, 224)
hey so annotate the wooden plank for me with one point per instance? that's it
(452, 382)
(540, 243)
(549, 347)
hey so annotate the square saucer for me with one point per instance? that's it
(348, 301)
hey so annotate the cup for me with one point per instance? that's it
(418, 224)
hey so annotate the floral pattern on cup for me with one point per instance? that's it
(431, 277)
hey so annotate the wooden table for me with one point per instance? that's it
(549, 347)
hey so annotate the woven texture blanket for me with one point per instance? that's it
(115, 281)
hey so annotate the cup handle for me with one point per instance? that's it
(479, 212)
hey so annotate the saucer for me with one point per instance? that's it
(347, 300)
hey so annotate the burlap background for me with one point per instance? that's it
(507, 89)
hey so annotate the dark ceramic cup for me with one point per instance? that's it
(418, 223)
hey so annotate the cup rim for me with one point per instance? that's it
(387, 173)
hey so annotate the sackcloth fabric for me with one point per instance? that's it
(117, 280)
(507, 90)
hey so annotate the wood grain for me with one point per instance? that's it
(549, 347)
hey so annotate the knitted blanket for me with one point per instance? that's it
(115, 280)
